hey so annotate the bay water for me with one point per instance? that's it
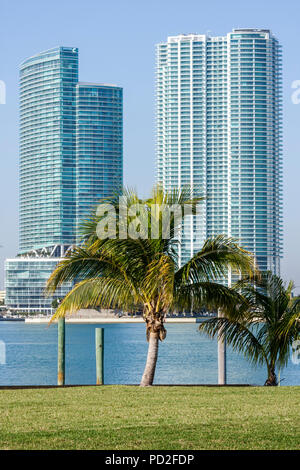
(185, 357)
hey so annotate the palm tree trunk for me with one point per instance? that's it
(221, 357)
(272, 378)
(149, 371)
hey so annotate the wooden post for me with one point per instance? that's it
(99, 341)
(61, 352)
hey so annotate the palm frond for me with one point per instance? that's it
(100, 292)
(271, 307)
(213, 260)
(239, 336)
(211, 296)
(110, 257)
(290, 323)
(79, 263)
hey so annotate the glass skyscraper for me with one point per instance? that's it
(99, 144)
(47, 148)
(71, 155)
(219, 130)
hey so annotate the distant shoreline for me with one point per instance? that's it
(11, 319)
(114, 320)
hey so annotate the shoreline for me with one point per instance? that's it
(112, 320)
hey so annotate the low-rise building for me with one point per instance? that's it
(25, 282)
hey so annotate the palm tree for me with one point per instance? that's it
(265, 327)
(141, 272)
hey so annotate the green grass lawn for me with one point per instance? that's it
(121, 417)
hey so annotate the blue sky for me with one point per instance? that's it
(116, 42)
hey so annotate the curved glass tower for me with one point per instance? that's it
(99, 145)
(219, 130)
(47, 148)
(71, 155)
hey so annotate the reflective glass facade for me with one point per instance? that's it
(25, 280)
(47, 148)
(219, 130)
(71, 155)
(99, 145)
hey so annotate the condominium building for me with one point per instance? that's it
(47, 148)
(218, 110)
(99, 141)
(71, 156)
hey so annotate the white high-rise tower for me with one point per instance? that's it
(218, 108)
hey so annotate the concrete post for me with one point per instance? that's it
(221, 358)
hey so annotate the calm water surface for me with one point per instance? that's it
(184, 357)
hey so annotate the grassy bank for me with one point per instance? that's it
(120, 417)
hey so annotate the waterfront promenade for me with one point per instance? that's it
(108, 316)
(111, 320)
